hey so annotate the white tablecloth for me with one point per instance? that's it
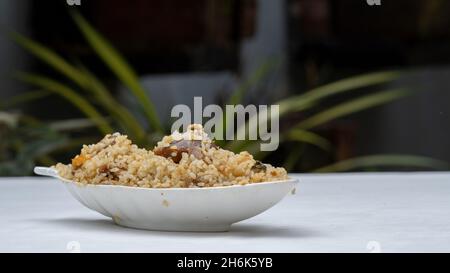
(390, 212)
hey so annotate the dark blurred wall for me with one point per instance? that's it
(314, 42)
(269, 43)
(419, 124)
(329, 40)
(13, 16)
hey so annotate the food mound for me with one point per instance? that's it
(180, 160)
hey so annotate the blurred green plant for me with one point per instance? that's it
(24, 142)
(392, 160)
(107, 114)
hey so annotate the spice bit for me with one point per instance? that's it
(79, 160)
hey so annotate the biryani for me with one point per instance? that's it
(180, 160)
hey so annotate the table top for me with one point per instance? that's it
(370, 212)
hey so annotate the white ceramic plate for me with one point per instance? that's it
(177, 209)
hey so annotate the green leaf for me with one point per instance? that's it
(39, 147)
(46, 160)
(66, 92)
(25, 97)
(254, 148)
(293, 157)
(313, 96)
(238, 95)
(119, 112)
(308, 137)
(74, 143)
(262, 71)
(83, 79)
(385, 161)
(71, 124)
(120, 68)
(340, 110)
(50, 57)
(352, 106)
(303, 101)
(293, 135)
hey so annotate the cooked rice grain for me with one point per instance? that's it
(116, 161)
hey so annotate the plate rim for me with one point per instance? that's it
(54, 174)
(285, 181)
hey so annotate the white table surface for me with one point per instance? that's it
(390, 212)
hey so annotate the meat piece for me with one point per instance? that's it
(103, 169)
(259, 167)
(175, 150)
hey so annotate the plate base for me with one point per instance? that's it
(181, 228)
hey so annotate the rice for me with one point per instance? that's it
(179, 160)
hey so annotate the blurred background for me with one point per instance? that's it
(361, 87)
